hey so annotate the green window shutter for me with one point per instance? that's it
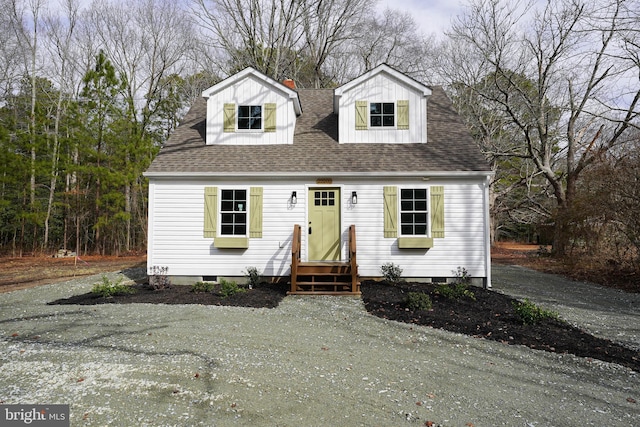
(403, 114)
(210, 211)
(255, 220)
(229, 117)
(270, 117)
(390, 211)
(361, 115)
(437, 212)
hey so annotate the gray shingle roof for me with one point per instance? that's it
(449, 146)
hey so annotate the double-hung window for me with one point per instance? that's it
(233, 212)
(413, 212)
(250, 117)
(382, 114)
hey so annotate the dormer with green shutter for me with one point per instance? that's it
(250, 108)
(382, 106)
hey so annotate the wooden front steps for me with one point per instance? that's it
(324, 277)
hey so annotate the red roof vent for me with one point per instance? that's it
(289, 83)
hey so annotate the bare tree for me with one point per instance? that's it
(554, 73)
(263, 35)
(393, 38)
(60, 32)
(327, 26)
(9, 49)
(27, 24)
(146, 41)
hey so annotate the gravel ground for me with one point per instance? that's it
(313, 361)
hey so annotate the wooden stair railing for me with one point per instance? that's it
(295, 256)
(324, 277)
(352, 258)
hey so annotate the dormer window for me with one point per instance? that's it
(388, 116)
(254, 118)
(250, 117)
(382, 114)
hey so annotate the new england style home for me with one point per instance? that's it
(320, 187)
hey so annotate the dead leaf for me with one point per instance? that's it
(429, 424)
(80, 380)
(431, 396)
(197, 375)
(85, 416)
(325, 348)
(419, 403)
(631, 400)
(469, 425)
(15, 334)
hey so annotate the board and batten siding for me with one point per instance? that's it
(382, 88)
(176, 230)
(250, 91)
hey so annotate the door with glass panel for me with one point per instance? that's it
(324, 224)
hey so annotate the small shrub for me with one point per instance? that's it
(107, 288)
(531, 314)
(202, 287)
(158, 279)
(253, 277)
(391, 272)
(418, 301)
(229, 288)
(460, 288)
(462, 276)
(455, 291)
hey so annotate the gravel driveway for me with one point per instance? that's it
(313, 361)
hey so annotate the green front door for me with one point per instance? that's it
(324, 224)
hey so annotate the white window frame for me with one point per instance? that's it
(238, 129)
(245, 211)
(381, 115)
(427, 212)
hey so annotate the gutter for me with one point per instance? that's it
(328, 174)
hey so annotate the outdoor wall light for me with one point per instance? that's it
(294, 198)
(354, 198)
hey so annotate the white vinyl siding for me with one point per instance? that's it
(176, 223)
(464, 244)
(177, 240)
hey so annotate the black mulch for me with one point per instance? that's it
(491, 316)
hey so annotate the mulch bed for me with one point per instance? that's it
(491, 315)
(267, 295)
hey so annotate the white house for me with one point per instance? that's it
(380, 170)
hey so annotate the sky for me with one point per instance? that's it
(432, 16)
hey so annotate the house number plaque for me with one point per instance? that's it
(324, 181)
